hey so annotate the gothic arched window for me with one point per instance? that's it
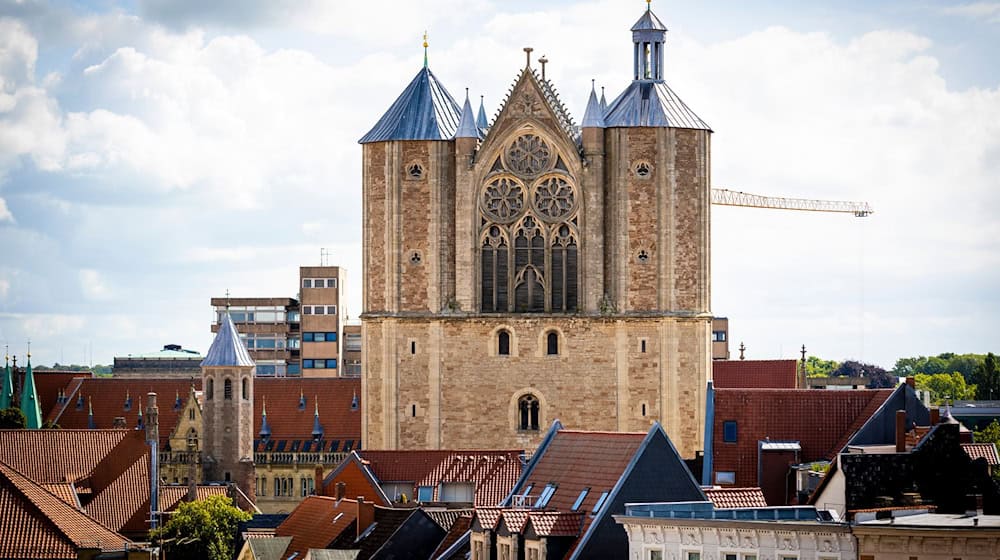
(528, 230)
(503, 343)
(527, 407)
(552, 344)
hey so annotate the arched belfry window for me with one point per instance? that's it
(529, 240)
(503, 343)
(227, 390)
(210, 389)
(528, 408)
(246, 389)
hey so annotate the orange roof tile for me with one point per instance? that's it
(357, 482)
(758, 374)
(40, 525)
(494, 472)
(460, 526)
(730, 498)
(48, 383)
(316, 522)
(71, 455)
(556, 523)
(63, 491)
(488, 517)
(341, 420)
(821, 421)
(987, 451)
(514, 519)
(172, 496)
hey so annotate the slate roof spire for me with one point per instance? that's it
(424, 111)
(317, 432)
(265, 428)
(481, 120)
(90, 414)
(594, 116)
(29, 399)
(467, 125)
(227, 349)
(6, 384)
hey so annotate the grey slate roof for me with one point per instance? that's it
(227, 349)
(594, 116)
(467, 125)
(481, 120)
(649, 22)
(424, 111)
(651, 104)
(269, 548)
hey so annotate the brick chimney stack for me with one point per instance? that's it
(900, 431)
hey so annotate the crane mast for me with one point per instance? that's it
(726, 197)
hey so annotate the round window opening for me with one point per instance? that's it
(415, 171)
(415, 257)
(643, 256)
(643, 169)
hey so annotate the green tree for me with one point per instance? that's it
(12, 419)
(204, 529)
(987, 379)
(818, 367)
(989, 434)
(945, 386)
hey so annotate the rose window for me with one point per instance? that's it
(554, 198)
(528, 155)
(503, 198)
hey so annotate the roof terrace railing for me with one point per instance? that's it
(705, 510)
(290, 458)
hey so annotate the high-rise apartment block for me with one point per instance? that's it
(298, 336)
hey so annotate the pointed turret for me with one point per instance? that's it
(227, 349)
(6, 385)
(467, 124)
(265, 428)
(317, 432)
(90, 414)
(481, 121)
(604, 102)
(424, 111)
(139, 424)
(594, 116)
(29, 400)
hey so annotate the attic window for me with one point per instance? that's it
(546, 495)
(79, 402)
(600, 502)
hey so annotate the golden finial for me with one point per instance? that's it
(425, 48)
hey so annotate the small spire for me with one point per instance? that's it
(481, 120)
(317, 432)
(90, 414)
(604, 102)
(316, 405)
(467, 124)
(543, 61)
(354, 400)
(265, 428)
(594, 116)
(425, 48)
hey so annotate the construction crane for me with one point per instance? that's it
(726, 197)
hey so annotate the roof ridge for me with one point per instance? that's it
(57, 503)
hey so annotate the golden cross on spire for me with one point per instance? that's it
(425, 48)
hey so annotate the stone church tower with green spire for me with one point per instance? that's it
(532, 269)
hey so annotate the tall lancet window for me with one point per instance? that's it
(528, 231)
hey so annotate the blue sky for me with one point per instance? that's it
(155, 153)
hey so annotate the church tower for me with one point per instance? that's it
(227, 380)
(530, 269)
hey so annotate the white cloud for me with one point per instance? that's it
(5, 215)
(94, 286)
(4, 288)
(988, 11)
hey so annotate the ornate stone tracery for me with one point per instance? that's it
(528, 155)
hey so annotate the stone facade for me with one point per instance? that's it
(227, 414)
(628, 300)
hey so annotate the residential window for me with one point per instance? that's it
(425, 494)
(655, 555)
(754, 557)
(580, 498)
(457, 492)
(600, 502)
(718, 336)
(533, 554)
(693, 556)
(263, 486)
(331, 309)
(504, 552)
(729, 431)
(307, 310)
(503, 343)
(331, 337)
(731, 557)
(352, 342)
(308, 337)
(307, 283)
(528, 408)
(277, 487)
(227, 391)
(552, 344)
(308, 364)
(331, 364)
(546, 495)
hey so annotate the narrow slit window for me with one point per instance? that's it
(413, 347)
(503, 343)
(552, 344)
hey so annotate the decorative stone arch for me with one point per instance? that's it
(543, 340)
(493, 343)
(514, 412)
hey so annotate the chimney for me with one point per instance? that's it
(900, 431)
(341, 490)
(153, 440)
(911, 382)
(318, 480)
(935, 416)
(366, 515)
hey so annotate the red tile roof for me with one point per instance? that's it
(37, 524)
(987, 451)
(755, 374)
(71, 455)
(821, 421)
(488, 517)
(340, 420)
(172, 496)
(494, 472)
(108, 396)
(730, 498)
(48, 383)
(64, 492)
(514, 519)
(357, 479)
(456, 531)
(315, 523)
(556, 523)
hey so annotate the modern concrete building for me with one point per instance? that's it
(720, 338)
(172, 361)
(291, 337)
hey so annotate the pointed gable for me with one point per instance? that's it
(424, 111)
(227, 349)
(532, 99)
(467, 127)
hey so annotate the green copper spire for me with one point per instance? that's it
(29, 400)
(6, 384)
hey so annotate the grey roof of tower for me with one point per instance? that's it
(594, 116)
(424, 111)
(649, 22)
(651, 104)
(481, 120)
(467, 125)
(227, 349)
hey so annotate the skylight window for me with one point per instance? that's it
(600, 502)
(543, 499)
(580, 498)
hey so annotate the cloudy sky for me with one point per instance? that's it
(154, 153)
